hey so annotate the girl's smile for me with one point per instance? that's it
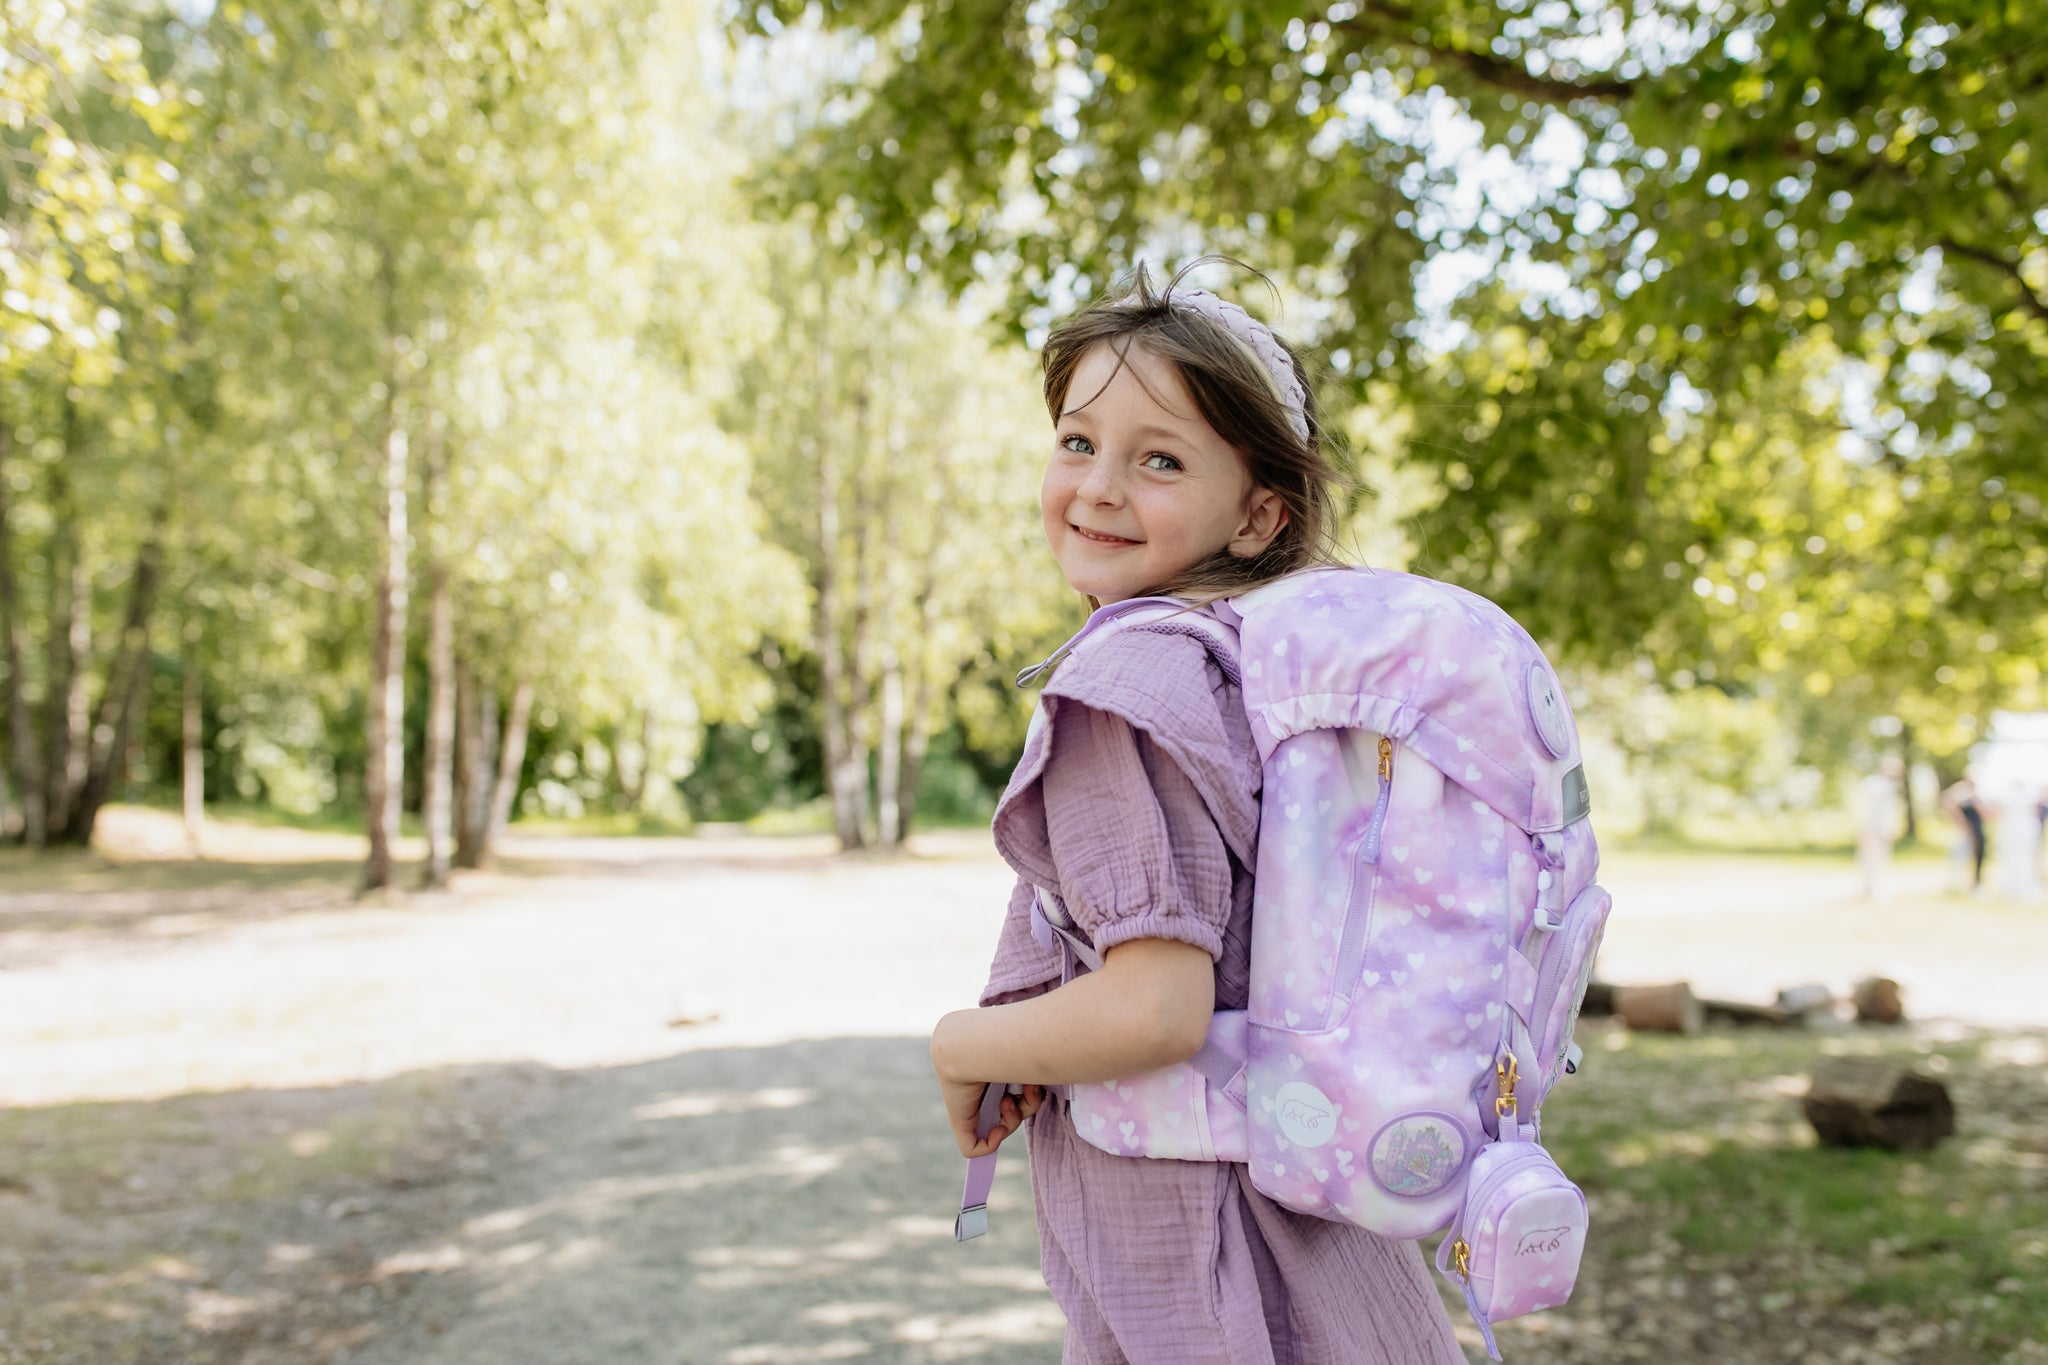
(1141, 488)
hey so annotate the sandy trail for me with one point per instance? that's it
(653, 1100)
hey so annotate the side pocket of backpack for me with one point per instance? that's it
(1516, 1244)
(1566, 966)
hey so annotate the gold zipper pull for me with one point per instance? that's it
(1386, 759)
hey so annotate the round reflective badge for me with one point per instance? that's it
(1305, 1114)
(1548, 712)
(1418, 1154)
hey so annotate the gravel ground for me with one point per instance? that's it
(626, 1101)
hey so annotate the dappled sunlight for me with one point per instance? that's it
(961, 1334)
(842, 1349)
(769, 1196)
(701, 1105)
(431, 1260)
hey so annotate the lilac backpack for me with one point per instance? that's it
(1423, 926)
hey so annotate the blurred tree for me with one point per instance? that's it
(892, 444)
(90, 243)
(478, 223)
(1554, 234)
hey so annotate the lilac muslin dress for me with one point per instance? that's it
(1143, 812)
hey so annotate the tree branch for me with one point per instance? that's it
(2034, 303)
(1500, 72)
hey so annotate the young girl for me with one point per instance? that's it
(1187, 462)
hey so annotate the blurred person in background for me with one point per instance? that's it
(2016, 804)
(1959, 804)
(1879, 827)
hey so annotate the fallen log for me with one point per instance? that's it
(1878, 1000)
(1669, 1008)
(1599, 999)
(1743, 1014)
(1863, 1102)
(1806, 999)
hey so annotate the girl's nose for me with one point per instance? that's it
(1101, 483)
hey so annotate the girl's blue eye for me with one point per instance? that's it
(1170, 462)
(1078, 444)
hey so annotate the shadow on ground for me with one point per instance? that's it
(724, 1207)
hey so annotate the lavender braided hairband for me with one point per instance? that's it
(1254, 337)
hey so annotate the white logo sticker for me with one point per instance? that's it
(1548, 712)
(1306, 1115)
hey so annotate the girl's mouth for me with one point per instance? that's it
(1099, 538)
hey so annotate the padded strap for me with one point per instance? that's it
(972, 1220)
(1050, 923)
(1443, 1266)
(1217, 1064)
(1521, 986)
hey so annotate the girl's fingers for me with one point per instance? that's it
(1014, 1110)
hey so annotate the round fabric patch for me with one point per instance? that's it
(1548, 712)
(1305, 1114)
(1418, 1154)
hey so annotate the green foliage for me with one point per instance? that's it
(1748, 376)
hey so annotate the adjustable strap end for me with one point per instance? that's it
(970, 1223)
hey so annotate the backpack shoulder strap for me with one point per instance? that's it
(1154, 615)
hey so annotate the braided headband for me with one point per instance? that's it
(1252, 334)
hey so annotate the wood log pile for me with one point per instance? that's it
(1850, 1101)
(1673, 1008)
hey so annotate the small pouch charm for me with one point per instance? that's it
(1516, 1244)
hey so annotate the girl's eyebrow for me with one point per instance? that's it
(1150, 431)
(1159, 432)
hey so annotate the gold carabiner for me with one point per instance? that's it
(1506, 1073)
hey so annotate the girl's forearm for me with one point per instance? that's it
(1148, 1007)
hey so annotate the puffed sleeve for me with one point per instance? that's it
(1139, 855)
(1136, 800)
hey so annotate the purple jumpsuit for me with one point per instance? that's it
(1144, 813)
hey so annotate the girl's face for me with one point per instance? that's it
(1140, 488)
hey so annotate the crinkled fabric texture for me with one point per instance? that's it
(1141, 810)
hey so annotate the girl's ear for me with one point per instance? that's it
(1264, 517)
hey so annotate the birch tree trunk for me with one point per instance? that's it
(22, 753)
(917, 735)
(127, 690)
(510, 761)
(191, 745)
(476, 741)
(383, 782)
(889, 827)
(867, 551)
(938, 496)
(437, 791)
(846, 821)
(65, 707)
(634, 788)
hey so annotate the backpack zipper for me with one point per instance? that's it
(1351, 947)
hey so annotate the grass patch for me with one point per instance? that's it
(1702, 1140)
(602, 824)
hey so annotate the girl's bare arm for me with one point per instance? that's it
(1148, 1007)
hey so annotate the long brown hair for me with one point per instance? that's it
(1239, 399)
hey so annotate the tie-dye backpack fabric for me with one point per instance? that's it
(1423, 925)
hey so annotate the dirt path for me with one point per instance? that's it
(660, 1101)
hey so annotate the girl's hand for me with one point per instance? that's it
(963, 1111)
